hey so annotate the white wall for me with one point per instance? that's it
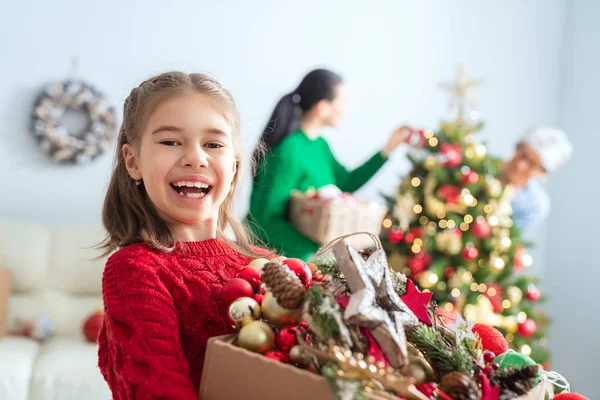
(572, 267)
(391, 53)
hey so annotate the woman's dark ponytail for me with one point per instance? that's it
(317, 85)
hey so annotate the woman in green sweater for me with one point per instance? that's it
(293, 155)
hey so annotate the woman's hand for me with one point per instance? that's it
(399, 136)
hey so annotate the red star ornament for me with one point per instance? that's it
(488, 392)
(417, 302)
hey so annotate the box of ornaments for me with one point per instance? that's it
(347, 327)
(327, 213)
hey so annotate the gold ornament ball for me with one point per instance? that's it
(256, 336)
(276, 314)
(433, 206)
(298, 355)
(514, 294)
(430, 163)
(448, 242)
(243, 311)
(258, 263)
(420, 369)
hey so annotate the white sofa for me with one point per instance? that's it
(54, 275)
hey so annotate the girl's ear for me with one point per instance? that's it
(131, 162)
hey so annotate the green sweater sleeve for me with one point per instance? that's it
(351, 181)
(282, 175)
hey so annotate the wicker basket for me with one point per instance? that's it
(323, 222)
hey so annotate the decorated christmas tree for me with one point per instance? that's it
(450, 230)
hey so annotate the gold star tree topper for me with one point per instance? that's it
(462, 90)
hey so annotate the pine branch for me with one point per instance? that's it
(442, 354)
(327, 264)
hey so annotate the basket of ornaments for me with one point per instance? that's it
(346, 326)
(327, 213)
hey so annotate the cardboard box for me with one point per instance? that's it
(231, 372)
(5, 290)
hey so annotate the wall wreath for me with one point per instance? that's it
(56, 140)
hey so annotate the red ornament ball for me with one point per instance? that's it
(251, 275)
(418, 263)
(286, 338)
(259, 298)
(491, 339)
(470, 178)
(234, 289)
(448, 272)
(481, 228)
(301, 269)
(527, 328)
(427, 388)
(395, 236)
(533, 293)
(570, 396)
(277, 355)
(91, 326)
(452, 153)
(470, 253)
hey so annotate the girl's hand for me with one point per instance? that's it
(399, 136)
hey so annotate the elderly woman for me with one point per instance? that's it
(540, 152)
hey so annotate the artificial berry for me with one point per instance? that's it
(495, 366)
(489, 356)
(487, 370)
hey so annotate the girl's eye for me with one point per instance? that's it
(214, 145)
(170, 143)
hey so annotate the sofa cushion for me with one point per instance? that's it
(24, 250)
(17, 358)
(73, 267)
(67, 369)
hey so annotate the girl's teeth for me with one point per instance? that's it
(199, 185)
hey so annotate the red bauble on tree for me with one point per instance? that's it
(470, 253)
(533, 293)
(448, 272)
(481, 228)
(527, 328)
(301, 269)
(418, 263)
(413, 234)
(91, 326)
(234, 289)
(449, 193)
(491, 339)
(470, 178)
(452, 155)
(251, 275)
(286, 338)
(395, 235)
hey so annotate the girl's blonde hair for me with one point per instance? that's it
(128, 214)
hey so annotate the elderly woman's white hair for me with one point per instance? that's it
(552, 145)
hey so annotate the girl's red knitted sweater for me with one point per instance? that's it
(160, 309)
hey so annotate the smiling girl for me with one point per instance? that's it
(167, 206)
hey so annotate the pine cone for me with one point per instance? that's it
(514, 380)
(459, 386)
(284, 284)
